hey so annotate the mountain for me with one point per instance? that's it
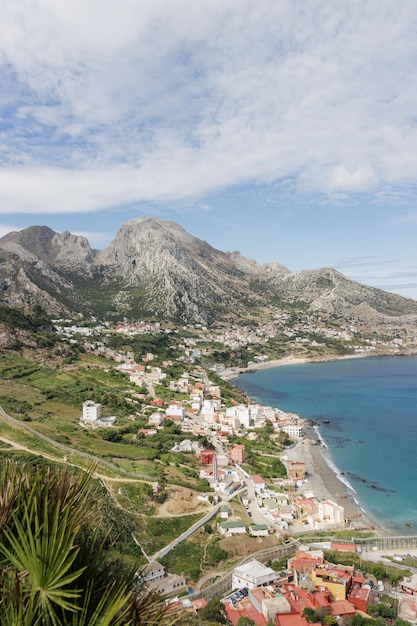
(154, 268)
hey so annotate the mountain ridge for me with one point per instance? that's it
(155, 268)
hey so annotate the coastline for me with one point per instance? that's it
(326, 484)
(324, 479)
(231, 373)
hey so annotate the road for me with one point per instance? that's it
(161, 553)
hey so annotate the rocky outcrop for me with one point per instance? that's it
(155, 268)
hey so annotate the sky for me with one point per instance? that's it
(285, 129)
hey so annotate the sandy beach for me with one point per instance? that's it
(233, 372)
(324, 483)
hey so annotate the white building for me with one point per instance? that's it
(294, 430)
(92, 415)
(175, 411)
(208, 411)
(252, 574)
(244, 414)
(258, 530)
(153, 571)
(331, 512)
(232, 528)
(91, 412)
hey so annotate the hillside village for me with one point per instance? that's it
(228, 436)
(276, 503)
(282, 501)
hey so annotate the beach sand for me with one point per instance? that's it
(233, 372)
(324, 483)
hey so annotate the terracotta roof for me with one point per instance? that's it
(199, 604)
(257, 479)
(342, 607)
(245, 608)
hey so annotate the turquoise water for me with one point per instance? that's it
(371, 405)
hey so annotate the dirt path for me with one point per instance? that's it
(181, 501)
(19, 446)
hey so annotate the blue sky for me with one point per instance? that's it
(283, 129)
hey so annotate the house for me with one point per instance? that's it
(170, 584)
(232, 528)
(261, 605)
(409, 585)
(331, 512)
(92, 415)
(300, 599)
(360, 596)
(296, 470)
(158, 580)
(342, 608)
(206, 456)
(252, 574)
(156, 419)
(294, 430)
(209, 411)
(199, 604)
(157, 402)
(258, 530)
(305, 507)
(237, 453)
(224, 511)
(152, 571)
(91, 412)
(258, 482)
(147, 432)
(293, 619)
(303, 564)
(338, 580)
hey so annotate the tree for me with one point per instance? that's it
(311, 615)
(56, 563)
(245, 621)
(214, 611)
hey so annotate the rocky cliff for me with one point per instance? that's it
(155, 268)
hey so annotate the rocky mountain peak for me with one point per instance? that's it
(156, 268)
(41, 243)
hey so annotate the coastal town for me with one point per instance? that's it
(295, 499)
(233, 507)
(219, 432)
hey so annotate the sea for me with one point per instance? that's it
(366, 414)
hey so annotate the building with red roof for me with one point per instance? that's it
(293, 619)
(360, 596)
(342, 608)
(237, 453)
(206, 456)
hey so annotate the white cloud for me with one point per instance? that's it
(360, 178)
(107, 103)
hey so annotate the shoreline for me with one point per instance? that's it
(326, 483)
(324, 479)
(231, 373)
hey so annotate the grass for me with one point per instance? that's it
(155, 533)
(186, 559)
(133, 497)
(145, 470)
